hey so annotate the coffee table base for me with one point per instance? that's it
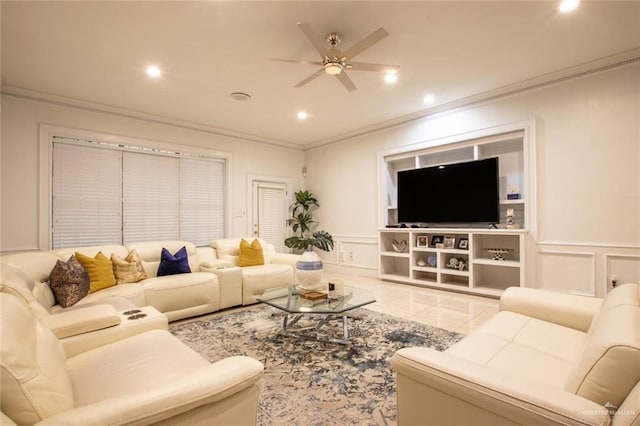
(289, 320)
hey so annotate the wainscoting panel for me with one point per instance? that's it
(569, 272)
(355, 251)
(625, 268)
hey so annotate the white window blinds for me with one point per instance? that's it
(103, 193)
(86, 197)
(272, 211)
(202, 210)
(150, 198)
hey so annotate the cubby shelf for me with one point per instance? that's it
(481, 275)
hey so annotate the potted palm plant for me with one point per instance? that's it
(309, 267)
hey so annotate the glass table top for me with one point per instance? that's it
(292, 300)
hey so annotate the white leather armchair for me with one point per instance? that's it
(545, 358)
(149, 378)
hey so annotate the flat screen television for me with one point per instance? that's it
(459, 193)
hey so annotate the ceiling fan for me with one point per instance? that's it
(336, 62)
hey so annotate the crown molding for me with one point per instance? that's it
(622, 59)
(20, 92)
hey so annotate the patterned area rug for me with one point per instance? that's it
(309, 381)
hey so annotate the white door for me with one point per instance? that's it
(270, 213)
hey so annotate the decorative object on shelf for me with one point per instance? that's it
(399, 246)
(309, 271)
(511, 224)
(421, 262)
(513, 193)
(436, 239)
(449, 242)
(463, 243)
(498, 253)
(422, 241)
(439, 245)
(457, 263)
(432, 261)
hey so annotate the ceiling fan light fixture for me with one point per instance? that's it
(332, 68)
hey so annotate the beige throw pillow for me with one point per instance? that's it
(129, 269)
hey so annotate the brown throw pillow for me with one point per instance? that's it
(69, 282)
(129, 269)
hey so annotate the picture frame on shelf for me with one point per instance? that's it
(463, 243)
(422, 241)
(449, 242)
(436, 239)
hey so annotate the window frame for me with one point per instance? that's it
(45, 184)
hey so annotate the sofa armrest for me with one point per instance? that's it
(438, 388)
(82, 320)
(285, 258)
(201, 387)
(568, 310)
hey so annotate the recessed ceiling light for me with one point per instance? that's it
(153, 71)
(568, 5)
(240, 96)
(390, 78)
(429, 99)
(302, 115)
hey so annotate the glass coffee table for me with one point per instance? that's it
(297, 303)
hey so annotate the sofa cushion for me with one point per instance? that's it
(151, 251)
(100, 271)
(129, 269)
(176, 292)
(229, 249)
(523, 347)
(608, 366)
(69, 282)
(171, 264)
(250, 254)
(165, 358)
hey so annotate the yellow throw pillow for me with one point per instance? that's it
(129, 269)
(250, 254)
(100, 271)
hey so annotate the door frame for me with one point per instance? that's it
(251, 178)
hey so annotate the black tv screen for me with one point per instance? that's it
(452, 193)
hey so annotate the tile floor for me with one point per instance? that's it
(444, 309)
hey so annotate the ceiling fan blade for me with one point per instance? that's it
(362, 66)
(365, 43)
(346, 81)
(317, 42)
(294, 61)
(311, 77)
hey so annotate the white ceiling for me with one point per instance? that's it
(96, 52)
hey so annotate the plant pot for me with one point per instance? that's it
(309, 270)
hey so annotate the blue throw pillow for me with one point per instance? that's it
(171, 264)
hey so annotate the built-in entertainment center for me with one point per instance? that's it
(444, 215)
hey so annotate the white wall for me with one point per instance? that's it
(21, 119)
(588, 174)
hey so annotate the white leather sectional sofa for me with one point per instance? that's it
(109, 358)
(545, 358)
(212, 285)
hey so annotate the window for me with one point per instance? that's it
(107, 193)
